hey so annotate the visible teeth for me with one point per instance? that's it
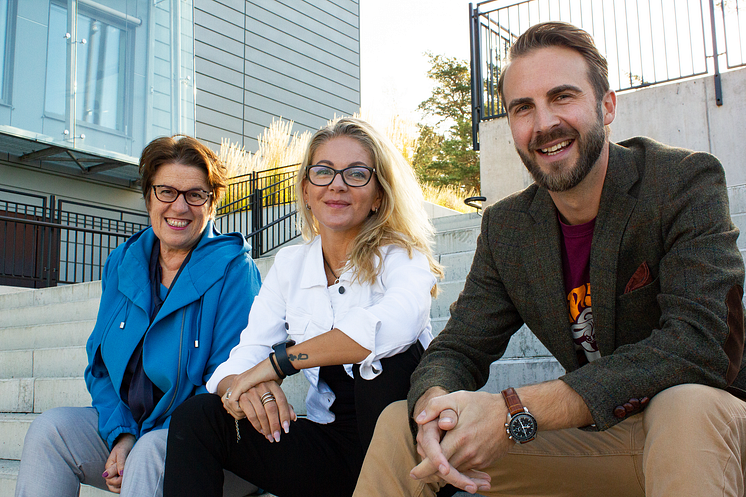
(177, 223)
(554, 149)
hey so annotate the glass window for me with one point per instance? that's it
(101, 72)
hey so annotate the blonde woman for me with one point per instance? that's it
(350, 308)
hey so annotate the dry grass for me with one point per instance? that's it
(278, 146)
(449, 196)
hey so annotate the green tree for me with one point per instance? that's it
(447, 158)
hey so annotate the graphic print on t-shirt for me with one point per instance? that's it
(581, 321)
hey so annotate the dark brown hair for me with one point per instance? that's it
(562, 34)
(181, 149)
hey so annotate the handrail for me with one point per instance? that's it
(472, 202)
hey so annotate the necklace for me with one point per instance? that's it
(336, 278)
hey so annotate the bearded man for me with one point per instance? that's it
(651, 400)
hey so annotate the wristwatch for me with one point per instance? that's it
(283, 361)
(521, 425)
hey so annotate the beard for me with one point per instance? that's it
(561, 178)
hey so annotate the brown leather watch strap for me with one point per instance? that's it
(512, 401)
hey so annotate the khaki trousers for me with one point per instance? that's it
(691, 440)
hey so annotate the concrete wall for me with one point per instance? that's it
(682, 114)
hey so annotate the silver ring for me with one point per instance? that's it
(267, 397)
(228, 394)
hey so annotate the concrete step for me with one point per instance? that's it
(50, 313)
(13, 428)
(40, 363)
(58, 294)
(524, 371)
(47, 335)
(457, 265)
(445, 223)
(36, 395)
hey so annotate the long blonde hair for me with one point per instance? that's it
(400, 220)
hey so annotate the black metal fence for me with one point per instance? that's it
(263, 205)
(646, 42)
(46, 241)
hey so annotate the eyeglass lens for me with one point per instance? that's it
(352, 176)
(169, 194)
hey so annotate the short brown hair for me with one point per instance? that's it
(182, 149)
(562, 34)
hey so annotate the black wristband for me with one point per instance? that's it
(279, 373)
(281, 354)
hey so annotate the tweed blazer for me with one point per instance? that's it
(666, 286)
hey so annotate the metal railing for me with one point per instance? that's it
(45, 241)
(268, 212)
(645, 42)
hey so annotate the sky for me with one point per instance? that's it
(394, 35)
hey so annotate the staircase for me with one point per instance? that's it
(43, 335)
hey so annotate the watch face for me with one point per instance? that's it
(522, 427)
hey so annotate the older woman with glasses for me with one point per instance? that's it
(350, 308)
(174, 300)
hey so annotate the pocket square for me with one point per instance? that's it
(639, 279)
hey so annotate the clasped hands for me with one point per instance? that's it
(256, 395)
(458, 434)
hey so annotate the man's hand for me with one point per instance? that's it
(115, 463)
(472, 435)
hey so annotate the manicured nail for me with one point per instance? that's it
(270, 439)
(277, 436)
(421, 416)
(286, 426)
(121, 472)
(447, 420)
(105, 475)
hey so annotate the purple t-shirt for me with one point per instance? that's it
(576, 255)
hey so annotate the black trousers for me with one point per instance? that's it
(312, 460)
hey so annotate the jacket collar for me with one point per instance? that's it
(313, 266)
(205, 267)
(615, 209)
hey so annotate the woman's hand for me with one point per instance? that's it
(265, 406)
(115, 463)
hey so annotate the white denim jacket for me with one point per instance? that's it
(295, 302)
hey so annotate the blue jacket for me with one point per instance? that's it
(193, 333)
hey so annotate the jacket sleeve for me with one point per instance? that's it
(397, 320)
(483, 319)
(114, 417)
(240, 287)
(698, 289)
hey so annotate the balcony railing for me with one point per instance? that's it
(645, 42)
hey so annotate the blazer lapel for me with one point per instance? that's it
(547, 280)
(614, 213)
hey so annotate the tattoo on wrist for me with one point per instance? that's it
(299, 357)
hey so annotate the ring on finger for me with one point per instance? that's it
(228, 394)
(267, 397)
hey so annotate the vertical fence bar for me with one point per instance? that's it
(718, 87)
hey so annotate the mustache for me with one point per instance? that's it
(555, 134)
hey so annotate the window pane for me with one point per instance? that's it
(54, 101)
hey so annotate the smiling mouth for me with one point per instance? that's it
(177, 223)
(555, 149)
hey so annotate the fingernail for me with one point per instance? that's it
(412, 476)
(270, 439)
(442, 468)
(286, 426)
(471, 489)
(105, 475)
(121, 472)
(447, 420)
(277, 436)
(421, 416)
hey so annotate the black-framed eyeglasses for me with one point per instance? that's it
(169, 194)
(354, 176)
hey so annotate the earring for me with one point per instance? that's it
(375, 210)
(308, 207)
